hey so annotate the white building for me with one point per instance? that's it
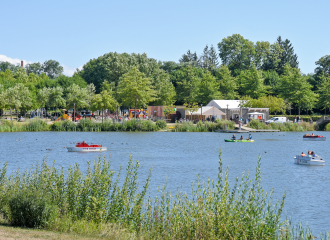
(233, 110)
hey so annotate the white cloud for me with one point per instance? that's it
(14, 61)
(68, 71)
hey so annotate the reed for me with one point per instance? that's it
(33, 125)
(287, 126)
(203, 127)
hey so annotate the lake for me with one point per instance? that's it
(179, 157)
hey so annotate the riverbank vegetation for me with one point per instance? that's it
(203, 127)
(262, 74)
(101, 202)
(287, 126)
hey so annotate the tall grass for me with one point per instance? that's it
(33, 125)
(100, 199)
(203, 127)
(287, 126)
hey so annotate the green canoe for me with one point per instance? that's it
(229, 140)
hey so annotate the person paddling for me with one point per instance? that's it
(250, 137)
(233, 137)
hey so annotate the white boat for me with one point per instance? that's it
(84, 147)
(309, 160)
(308, 137)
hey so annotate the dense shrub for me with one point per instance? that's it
(161, 124)
(30, 208)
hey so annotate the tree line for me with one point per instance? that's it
(262, 74)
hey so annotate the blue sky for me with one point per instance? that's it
(73, 32)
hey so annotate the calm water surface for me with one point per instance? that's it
(179, 157)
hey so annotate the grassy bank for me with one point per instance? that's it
(287, 126)
(97, 203)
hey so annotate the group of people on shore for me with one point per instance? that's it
(309, 153)
(241, 138)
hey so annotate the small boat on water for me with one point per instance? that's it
(309, 160)
(84, 147)
(244, 140)
(313, 137)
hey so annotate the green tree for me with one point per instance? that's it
(287, 55)
(324, 93)
(295, 88)
(43, 96)
(274, 104)
(165, 91)
(135, 89)
(189, 57)
(10, 97)
(208, 89)
(191, 107)
(52, 68)
(262, 50)
(112, 66)
(35, 68)
(187, 81)
(17, 97)
(24, 97)
(273, 58)
(236, 52)
(103, 100)
(323, 65)
(7, 65)
(252, 83)
(77, 96)
(228, 83)
(55, 97)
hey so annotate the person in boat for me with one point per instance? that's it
(249, 137)
(309, 152)
(312, 134)
(303, 154)
(313, 154)
(241, 138)
(233, 137)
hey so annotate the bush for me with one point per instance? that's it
(327, 127)
(161, 124)
(35, 125)
(30, 209)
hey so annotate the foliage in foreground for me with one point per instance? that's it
(101, 197)
(287, 126)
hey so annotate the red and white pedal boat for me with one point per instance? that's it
(84, 147)
(313, 137)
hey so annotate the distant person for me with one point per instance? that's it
(312, 134)
(250, 137)
(233, 137)
(241, 138)
(313, 154)
(303, 154)
(309, 152)
(311, 121)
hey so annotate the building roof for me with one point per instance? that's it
(207, 111)
(223, 103)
